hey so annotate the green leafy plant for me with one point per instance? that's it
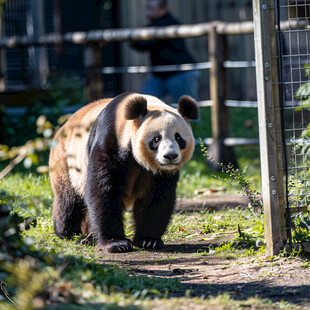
(301, 227)
(303, 92)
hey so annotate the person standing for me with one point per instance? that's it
(167, 52)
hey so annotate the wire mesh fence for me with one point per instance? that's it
(295, 94)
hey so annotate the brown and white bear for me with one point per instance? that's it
(116, 153)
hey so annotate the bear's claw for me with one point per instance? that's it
(115, 246)
(149, 243)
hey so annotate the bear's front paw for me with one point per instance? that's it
(115, 246)
(148, 243)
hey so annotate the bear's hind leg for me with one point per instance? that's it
(69, 213)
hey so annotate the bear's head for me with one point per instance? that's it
(161, 136)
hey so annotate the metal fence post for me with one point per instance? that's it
(219, 112)
(269, 115)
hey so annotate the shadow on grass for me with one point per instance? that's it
(297, 295)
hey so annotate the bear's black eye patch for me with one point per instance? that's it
(155, 142)
(180, 141)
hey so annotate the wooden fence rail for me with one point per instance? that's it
(167, 32)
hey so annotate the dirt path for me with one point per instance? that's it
(277, 279)
(273, 278)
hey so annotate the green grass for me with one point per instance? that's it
(37, 260)
(40, 261)
(208, 226)
(73, 272)
(40, 257)
(195, 174)
(31, 195)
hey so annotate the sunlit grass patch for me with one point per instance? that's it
(195, 175)
(227, 224)
(31, 195)
(71, 269)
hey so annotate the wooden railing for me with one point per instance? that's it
(217, 64)
(217, 32)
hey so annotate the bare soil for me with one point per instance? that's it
(274, 278)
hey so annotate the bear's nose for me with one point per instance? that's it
(171, 157)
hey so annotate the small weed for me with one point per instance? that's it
(207, 229)
(305, 265)
(301, 225)
(291, 252)
(242, 245)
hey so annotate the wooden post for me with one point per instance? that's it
(93, 63)
(219, 112)
(271, 148)
(57, 24)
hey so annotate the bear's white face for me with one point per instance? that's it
(163, 142)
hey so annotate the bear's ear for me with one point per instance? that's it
(188, 107)
(136, 107)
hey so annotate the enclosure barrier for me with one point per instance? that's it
(272, 144)
(217, 31)
(282, 48)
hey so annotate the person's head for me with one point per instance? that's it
(155, 9)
